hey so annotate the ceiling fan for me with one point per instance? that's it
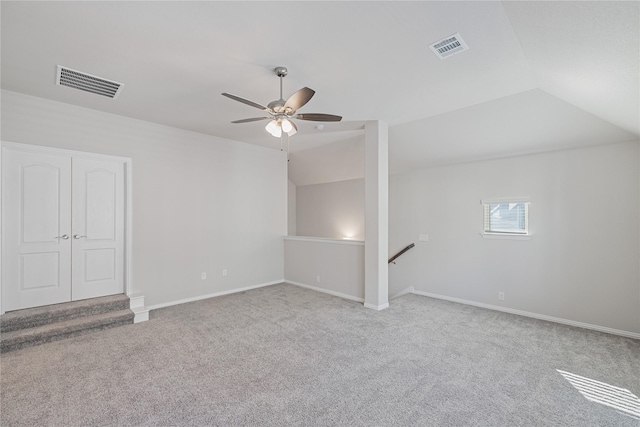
(281, 112)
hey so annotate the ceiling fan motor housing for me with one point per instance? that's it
(277, 106)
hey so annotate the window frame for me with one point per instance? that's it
(510, 235)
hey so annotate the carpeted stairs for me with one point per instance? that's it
(33, 326)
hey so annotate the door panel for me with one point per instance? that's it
(40, 270)
(99, 264)
(98, 228)
(37, 260)
(40, 201)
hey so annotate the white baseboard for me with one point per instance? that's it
(136, 300)
(376, 307)
(533, 315)
(409, 290)
(216, 294)
(141, 314)
(326, 291)
(136, 304)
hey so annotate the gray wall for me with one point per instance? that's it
(332, 266)
(334, 210)
(291, 208)
(200, 203)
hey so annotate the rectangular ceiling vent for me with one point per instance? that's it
(88, 83)
(449, 46)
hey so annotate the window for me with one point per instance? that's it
(507, 217)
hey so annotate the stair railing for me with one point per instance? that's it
(393, 258)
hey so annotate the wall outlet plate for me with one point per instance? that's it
(423, 237)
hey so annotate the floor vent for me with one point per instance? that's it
(449, 46)
(88, 83)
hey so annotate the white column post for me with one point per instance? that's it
(376, 246)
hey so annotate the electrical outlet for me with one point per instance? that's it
(501, 296)
(224, 272)
(318, 279)
(203, 275)
(423, 237)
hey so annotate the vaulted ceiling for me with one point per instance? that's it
(538, 76)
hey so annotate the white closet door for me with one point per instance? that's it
(37, 228)
(98, 228)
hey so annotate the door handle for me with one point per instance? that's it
(64, 236)
(77, 236)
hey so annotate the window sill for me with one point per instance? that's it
(500, 236)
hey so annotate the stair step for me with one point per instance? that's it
(37, 316)
(63, 329)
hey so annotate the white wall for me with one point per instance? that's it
(582, 262)
(200, 203)
(333, 210)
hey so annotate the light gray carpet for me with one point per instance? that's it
(284, 355)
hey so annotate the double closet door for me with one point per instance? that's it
(63, 228)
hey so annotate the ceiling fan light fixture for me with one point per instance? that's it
(273, 128)
(286, 125)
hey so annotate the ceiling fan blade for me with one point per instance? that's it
(318, 117)
(299, 98)
(253, 119)
(245, 101)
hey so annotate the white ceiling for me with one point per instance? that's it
(537, 76)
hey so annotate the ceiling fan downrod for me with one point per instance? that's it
(281, 72)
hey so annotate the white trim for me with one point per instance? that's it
(533, 315)
(505, 236)
(326, 291)
(2, 234)
(325, 240)
(216, 294)
(376, 307)
(128, 215)
(128, 228)
(33, 148)
(409, 290)
(141, 314)
(136, 304)
(136, 301)
(494, 200)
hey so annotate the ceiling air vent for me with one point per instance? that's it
(449, 46)
(87, 82)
